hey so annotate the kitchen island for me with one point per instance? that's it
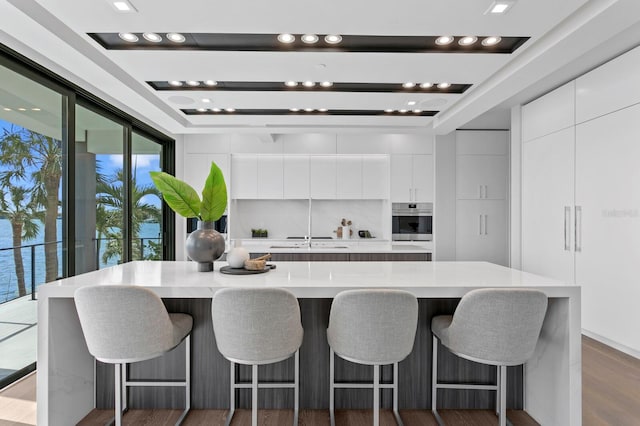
(70, 383)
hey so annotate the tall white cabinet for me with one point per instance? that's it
(581, 195)
(481, 196)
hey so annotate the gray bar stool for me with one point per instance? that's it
(491, 326)
(256, 326)
(371, 327)
(123, 324)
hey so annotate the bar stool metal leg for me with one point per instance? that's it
(396, 413)
(502, 390)
(296, 390)
(434, 382)
(332, 388)
(118, 389)
(232, 394)
(254, 395)
(376, 395)
(187, 381)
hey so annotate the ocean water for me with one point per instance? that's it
(8, 280)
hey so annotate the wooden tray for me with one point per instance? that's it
(241, 271)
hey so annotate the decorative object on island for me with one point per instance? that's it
(259, 233)
(237, 256)
(205, 244)
(257, 264)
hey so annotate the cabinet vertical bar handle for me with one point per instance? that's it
(410, 198)
(480, 225)
(485, 224)
(479, 191)
(578, 236)
(567, 231)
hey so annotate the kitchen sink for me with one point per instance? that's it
(287, 247)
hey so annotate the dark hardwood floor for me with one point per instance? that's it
(610, 396)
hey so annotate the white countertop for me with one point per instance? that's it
(313, 279)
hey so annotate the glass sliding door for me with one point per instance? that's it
(32, 143)
(146, 201)
(100, 192)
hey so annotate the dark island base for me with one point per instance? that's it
(210, 371)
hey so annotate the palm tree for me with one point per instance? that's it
(38, 158)
(22, 214)
(109, 220)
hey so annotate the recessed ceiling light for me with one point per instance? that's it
(35, 109)
(426, 85)
(211, 83)
(402, 111)
(491, 41)
(176, 37)
(193, 83)
(408, 85)
(411, 103)
(175, 83)
(291, 83)
(123, 6)
(467, 41)
(444, 40)
(230, 109)
(201, 110)
(309, 84)
(388, 110)
(294, 109)
(216, 109)
(6, 109)
(500, 6)
(129, 37)
(22, 109)
(326, 84)
(444, 85)
(333, 38)
(308, 109)
(152, 37)
(206, 100)
(286, 38)
(417, 111)
(323, 110)
(309, 38)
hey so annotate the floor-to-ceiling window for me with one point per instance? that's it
(75, 195)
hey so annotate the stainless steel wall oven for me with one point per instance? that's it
(412, 221)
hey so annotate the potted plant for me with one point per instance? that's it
(205, 244)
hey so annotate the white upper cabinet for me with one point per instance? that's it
(401, 178)
(244, 176)
(482, 165)
(610, 87)
(270, 176)
(550, 113)
(322, 177)
(349, 177)
(296, 176)
(412, 178)
(481, 232)
(375, 177)
(422, 174)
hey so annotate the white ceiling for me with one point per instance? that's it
(53, 32)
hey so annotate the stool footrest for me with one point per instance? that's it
(465, 386)
(158, 383)
(339, 385)
(265, 385)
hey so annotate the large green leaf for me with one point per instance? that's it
(214, 195)
(179, 195)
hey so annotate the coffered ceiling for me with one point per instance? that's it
(80, 40)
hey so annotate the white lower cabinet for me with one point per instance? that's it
(481, 234)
